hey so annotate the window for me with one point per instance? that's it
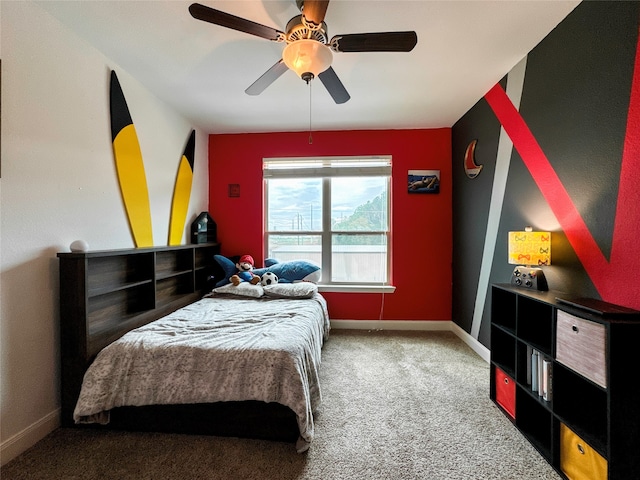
(333, 211)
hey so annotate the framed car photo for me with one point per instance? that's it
(423, 181)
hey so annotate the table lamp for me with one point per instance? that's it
(529, 250)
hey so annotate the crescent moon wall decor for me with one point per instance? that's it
(470, 168)
(182, 192)
(130, 167)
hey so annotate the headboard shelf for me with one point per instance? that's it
(104, 294)
(177, 273)
(115, 272)
(100, 290)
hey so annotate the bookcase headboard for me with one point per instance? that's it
(104, 294)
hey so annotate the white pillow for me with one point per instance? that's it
(291, 290)
(244, 289)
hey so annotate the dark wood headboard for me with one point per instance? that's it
(104, 294)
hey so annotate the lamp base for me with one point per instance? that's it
(529, 277)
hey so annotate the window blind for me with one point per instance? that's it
(327, 167)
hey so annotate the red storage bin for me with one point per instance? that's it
(506, 392)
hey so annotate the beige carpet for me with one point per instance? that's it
(396, 405)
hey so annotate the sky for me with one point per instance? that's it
(294, 204)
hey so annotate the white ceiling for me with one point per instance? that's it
(202, 70)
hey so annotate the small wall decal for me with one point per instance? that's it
(424, 181)
(470, 168)
(234, 190)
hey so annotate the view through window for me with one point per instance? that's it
(333, 212)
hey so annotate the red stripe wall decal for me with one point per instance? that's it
(612, 278)
(627, 223)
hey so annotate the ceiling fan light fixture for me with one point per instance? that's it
(307, 56)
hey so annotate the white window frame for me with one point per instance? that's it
(328, 168)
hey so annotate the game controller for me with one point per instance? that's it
(529, 277)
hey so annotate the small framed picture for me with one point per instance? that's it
(234, 190)
(424, 181)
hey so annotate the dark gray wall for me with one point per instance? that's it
(575, 101)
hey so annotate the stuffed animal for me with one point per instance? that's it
(245, 273)
(291, 271)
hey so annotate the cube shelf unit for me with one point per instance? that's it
(105, 293)
(605, 418)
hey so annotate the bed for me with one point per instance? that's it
(242, 361)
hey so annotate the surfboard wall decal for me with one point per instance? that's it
(130, 168)
(182, 192)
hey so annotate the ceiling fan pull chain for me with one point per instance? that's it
(310, 135)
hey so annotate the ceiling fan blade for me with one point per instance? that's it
(314, 11)
(211, 15)
(334, 86)
(267, 78)
(375, 42)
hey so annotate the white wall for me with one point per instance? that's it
(59, 184)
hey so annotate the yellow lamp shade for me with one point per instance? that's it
(530, 248)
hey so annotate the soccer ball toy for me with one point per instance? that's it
(269, 278)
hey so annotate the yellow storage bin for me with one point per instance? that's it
(578, 460)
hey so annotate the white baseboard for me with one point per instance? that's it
(474, 344)
(420, 325)
(22, 441)
(391, 325)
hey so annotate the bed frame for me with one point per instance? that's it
(105, 294)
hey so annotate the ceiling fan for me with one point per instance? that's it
(308, 48)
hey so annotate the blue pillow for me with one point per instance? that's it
(291, 271)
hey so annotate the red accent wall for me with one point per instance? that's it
(421, 244)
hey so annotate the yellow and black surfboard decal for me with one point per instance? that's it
(130, 168)
(182, 192)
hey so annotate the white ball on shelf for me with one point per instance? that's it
(79, 246)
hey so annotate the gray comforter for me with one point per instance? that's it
(217, 349)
